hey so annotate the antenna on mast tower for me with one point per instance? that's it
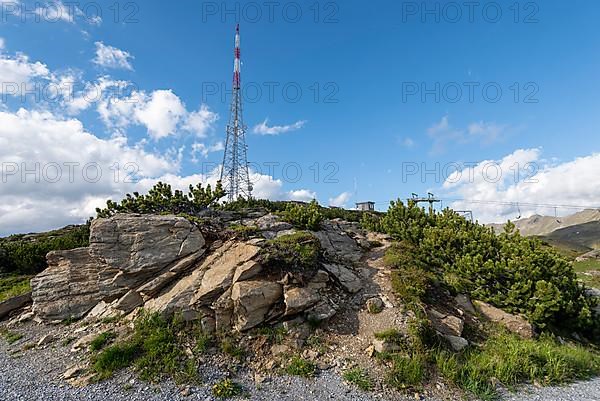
(235, 177)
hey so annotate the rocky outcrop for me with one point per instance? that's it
(14, 303)
(347, 279)
(516, 324)
(161, 263)
(219, 276)
(210, 280)
(299, 299)
(252, 300)
(337, 242)
(271, 226)
(125, 252)
(595, 254)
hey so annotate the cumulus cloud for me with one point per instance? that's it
(111, 57)
(264, 128)
(200, 122)
(57, 11)
(162, 112)
(2, 43)
(75, 172)
(303, 195)
(498, 190)
(341, 200)
(17, 71)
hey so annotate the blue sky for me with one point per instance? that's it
(362, 120)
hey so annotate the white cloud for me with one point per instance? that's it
(203, 150)
(2, 43)
(340, 200)
(111, 57)
(537, 182)
(17, 71)
(200, 122)
(264, 129)
(161, 113)
(304, 195)
(54, 172)
(487, 132)
(444, 134)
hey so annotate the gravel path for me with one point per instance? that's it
(35, 375)
(32, 377)
(584, 391)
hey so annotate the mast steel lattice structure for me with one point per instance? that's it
(235, 177)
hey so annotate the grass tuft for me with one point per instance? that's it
(11, 337)
(300, 367)
(101, 340)
(359, 377)
(512, 360)
(226, 389)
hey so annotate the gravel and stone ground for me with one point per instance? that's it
(34, 375)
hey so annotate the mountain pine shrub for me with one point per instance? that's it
(511, 272)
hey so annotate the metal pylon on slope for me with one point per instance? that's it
(235, 177)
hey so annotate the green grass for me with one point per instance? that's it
(406, 371)
(101, 340)
(11, 337)
(512, 360)
(359, 377)
(114, 358)
(275, 335)
(229, 347)
(12, 286)
(300, 367)
(587, 266)
(226, 388)
(244, 232)
(391, 335)
(203, 342)
(155, 349)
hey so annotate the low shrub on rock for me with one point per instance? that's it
(511, 272)
(298, 252)
(304, 217)
(161, 199)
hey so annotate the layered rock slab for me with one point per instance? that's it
(125, 252)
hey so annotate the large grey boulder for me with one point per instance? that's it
(336, 241)
(125, 252)
(142, 245)
(350, 281)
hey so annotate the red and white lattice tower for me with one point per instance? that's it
(234, 172)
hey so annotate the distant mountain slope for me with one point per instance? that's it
(585, 235)
(544, 225)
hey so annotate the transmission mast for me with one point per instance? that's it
(234, 172)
